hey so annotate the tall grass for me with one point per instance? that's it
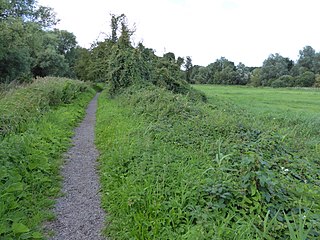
(174, 168)
(23, 104)
(31, 150)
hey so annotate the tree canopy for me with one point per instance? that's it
(29, 44)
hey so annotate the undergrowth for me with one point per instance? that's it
(31, 149)
(24, 104)
(175, 168)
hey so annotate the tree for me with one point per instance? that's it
(170, 56)
(15, 60)
(317, 81)
(188, 68)
(307, 58)
(283, 81)
(28, 11)
(255, 78)
(243, 74)
(307, 79)
(201, 75)
(274, 67)
(23, 35)
(222, 71)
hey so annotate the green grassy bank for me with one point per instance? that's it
(173, 168)
(36, 126)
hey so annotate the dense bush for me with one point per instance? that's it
(306, 79)
(283, 81)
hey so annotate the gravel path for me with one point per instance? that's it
(79, 215)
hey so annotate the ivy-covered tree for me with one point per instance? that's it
(188, 68)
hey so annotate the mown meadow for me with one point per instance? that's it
(173, 167)
(36, 125)
(295, 112)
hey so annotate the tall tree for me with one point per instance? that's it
(243, 74)
(188, 68)
(274, 67)
(307, 59)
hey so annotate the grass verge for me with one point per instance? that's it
(173, 168)
(30, 159)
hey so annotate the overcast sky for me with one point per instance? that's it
(245, 31)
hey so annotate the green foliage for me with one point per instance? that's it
(30, 160)
(317, 81)
(274, 67)
(15, 60)
(177, 169)
(222, 71)
(283, 81)
(120, 64)
(306, 79)
(188, 68)
(28, 48)
(19, 107)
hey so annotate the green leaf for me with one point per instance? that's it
(37, 235)
(15, 187)
(19, 228)
(4, 228)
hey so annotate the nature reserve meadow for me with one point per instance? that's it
(220, 152)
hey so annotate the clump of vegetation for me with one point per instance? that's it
(20, 106)
(36, 126)
(174, 167)
(178, 169)
(117, 62)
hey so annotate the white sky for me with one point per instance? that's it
(245, 31)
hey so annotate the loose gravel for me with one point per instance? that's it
(79, 213)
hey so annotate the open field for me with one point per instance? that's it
(293, 112)
(277, 101)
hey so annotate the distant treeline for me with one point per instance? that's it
(276, 71)
(30, 46)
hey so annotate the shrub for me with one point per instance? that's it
(306, 79)
(283, 81)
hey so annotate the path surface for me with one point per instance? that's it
(79, 215)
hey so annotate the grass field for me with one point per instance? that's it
(278, 101)
(294, 112)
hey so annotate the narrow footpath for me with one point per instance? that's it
(79, 213)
